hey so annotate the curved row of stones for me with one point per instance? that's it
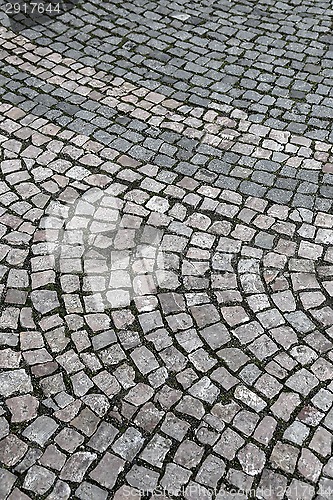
(166, 342)
(159, 330)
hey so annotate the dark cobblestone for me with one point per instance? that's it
(166, 251)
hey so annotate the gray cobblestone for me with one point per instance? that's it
(165, 256)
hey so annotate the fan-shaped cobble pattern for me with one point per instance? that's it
(167, 252)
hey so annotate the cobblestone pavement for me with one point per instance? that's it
(167, 251)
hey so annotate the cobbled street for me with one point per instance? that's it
(166, 225)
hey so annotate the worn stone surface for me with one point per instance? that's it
(166, 261)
